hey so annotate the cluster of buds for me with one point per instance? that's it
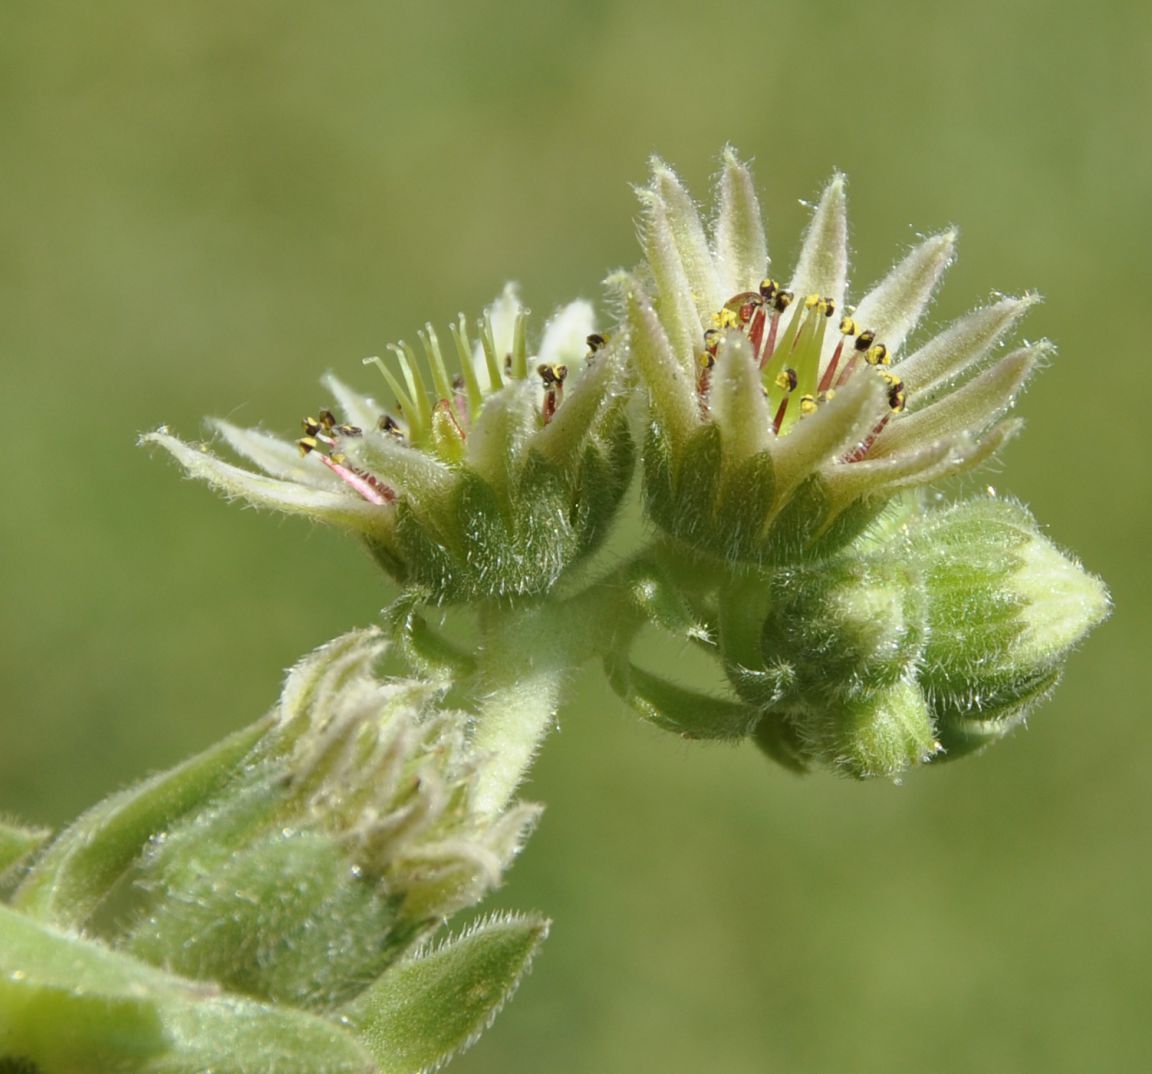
(485, 484)
(773, 436)
(351, 834)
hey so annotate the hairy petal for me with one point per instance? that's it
(741, 249)
(823, 265)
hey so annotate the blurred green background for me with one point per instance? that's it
(205, 205)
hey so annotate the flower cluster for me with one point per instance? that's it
(782, 419)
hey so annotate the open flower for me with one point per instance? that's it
(485, 479)
(782, 419)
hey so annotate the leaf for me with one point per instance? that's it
(87, 859)
(16, 843)
(73, 1006)
(428, 1008)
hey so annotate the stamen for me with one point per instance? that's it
(370, 488)
(596, 343)
(553, 377)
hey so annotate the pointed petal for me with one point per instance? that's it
(359, 409)
(849, 481)
(671, 386)
(342, 509)
(276, 457)
(691, 242)
(971, 408)
(565, 339)
(823, 265)
(960, 346)
(822, 437)
(678, 311)
(741, 249)
(500, 431)
(896, 304)
(407, 469)
(737, 401)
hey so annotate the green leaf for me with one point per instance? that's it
(73, 1006)
(89, 857)
(16, 843)
(428, 1008)
(674, 708)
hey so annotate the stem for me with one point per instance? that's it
(524, 658)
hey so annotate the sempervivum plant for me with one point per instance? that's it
(273, 903)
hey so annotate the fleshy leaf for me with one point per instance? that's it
(17, 842)
(87, 859)
(737, 401)
(429, 1007)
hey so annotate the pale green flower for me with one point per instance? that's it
(482, 483)
(783, 419)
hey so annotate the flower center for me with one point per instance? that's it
(795, 377)
(437, 420)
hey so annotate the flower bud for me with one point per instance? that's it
(930, 637)
(348, 833)
(1005, 607)
(485, 485)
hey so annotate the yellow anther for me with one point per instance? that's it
(782, 300)
(327, 420)
(596, 342)
(865, 339)
(307, 444)
(828, 305)
(807, 404)
(552, 374)
(828, 395)
(707, 360)
(339, 458)
(878, 355)
(726, 318)
(848, 326)
(812, 301)
(768, 289)
(786, 380)
(311, 426)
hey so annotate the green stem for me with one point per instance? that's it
(525, 656)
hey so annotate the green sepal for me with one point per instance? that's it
(681, 489)
(91, 855)
(73, 1006)
(810, 527)
(419, 644)
(17, 843)
(429, 1007)
(777, 738)
(684, 712)
(745, 502)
